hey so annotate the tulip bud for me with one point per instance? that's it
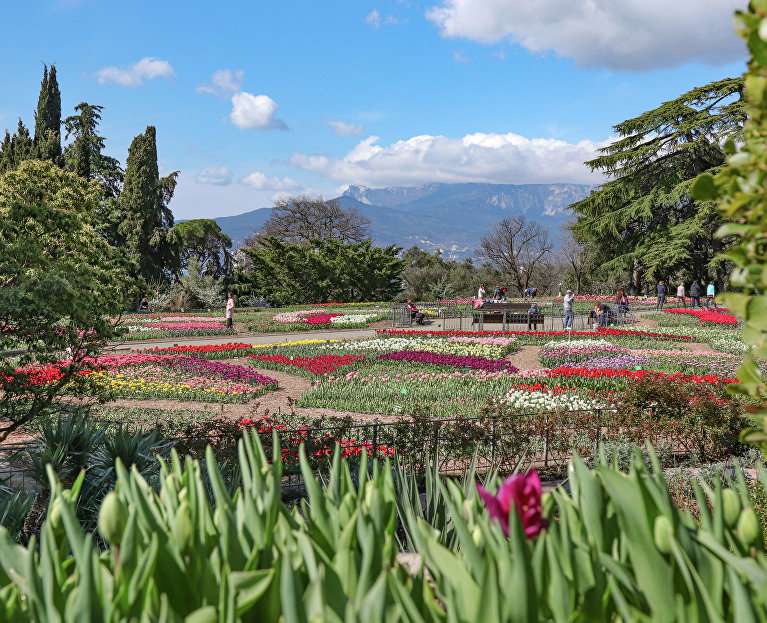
(663, 533)
(748, 530)
(182, 527)
(731, 507)
(466, 509)
(54, 517)
(476, 535)
(113, 517)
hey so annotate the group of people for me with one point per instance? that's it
(498, 294)
(696, 291)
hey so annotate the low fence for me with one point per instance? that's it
(15, 467)
(452, 316)
(547, 440)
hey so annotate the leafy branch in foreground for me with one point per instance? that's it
(741, 187)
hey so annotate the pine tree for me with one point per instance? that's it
(643, 220)
(83, 156)
(146, 220)
(48, 118)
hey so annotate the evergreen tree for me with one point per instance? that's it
(48, 118)
(644, 220)
(322, 271)
(83, 156)
(146, 223)
(16, 149)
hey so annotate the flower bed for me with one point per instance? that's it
(455, 361)
(321, 364)
(539, 336)
(319, 444)
(527, 398)
(434, 345)
(231, 349)
(178, 377)
(613, 378)
(706, 315)
(557, 353)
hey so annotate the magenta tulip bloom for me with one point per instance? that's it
(524, 490)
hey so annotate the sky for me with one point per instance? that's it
(256, 99)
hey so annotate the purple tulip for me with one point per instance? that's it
(457, 361)
(524, 491)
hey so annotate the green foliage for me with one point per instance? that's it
(742, 189)
(644, 221)
(325, 271)
(427, 276)
(16, 149)
(146, 221)
(83, 156)
(203, 239)
(616, 549)
(48, 118)
(58, 281)
(14, 506)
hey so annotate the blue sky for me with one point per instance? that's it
(256, 98)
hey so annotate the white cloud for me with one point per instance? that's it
(218, 176)
(345, 129)
(460, 57)
(223, 82)
(490, 158)
(373, 18)
(255, 112)
(134, 75)
(376, 20)
(260, 181)
(625, 35)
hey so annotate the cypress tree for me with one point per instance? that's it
(147, 222)
(17, 148)
(48, 118)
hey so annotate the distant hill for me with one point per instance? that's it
(451, 217)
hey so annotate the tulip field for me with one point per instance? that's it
(441, 373)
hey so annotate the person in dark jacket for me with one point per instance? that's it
(695, 294)
(661, 296)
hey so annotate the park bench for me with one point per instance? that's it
(516, 313)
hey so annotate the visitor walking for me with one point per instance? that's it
(230, 311)
(481, 292)
(568, 305)
(680, 295)
(710, 294)
(661, 296)
(695, 294)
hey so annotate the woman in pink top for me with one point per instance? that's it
(229, 311)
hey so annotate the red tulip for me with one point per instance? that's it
(524, 491)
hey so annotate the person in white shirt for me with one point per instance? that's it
(568, 304)
(680, 295)
(481, 291)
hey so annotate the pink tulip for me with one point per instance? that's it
(524, 490)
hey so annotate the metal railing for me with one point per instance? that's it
(502, 440)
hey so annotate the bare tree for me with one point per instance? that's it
(301, 219)
(518, 247)
(572, 254)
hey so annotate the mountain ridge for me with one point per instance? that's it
(450, 217)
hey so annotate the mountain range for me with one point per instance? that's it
(450, 217)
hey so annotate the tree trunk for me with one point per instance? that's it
(637, 275)
(37, 512)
